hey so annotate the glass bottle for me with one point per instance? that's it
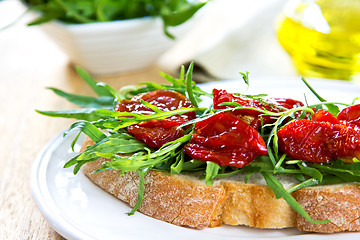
(322, 37)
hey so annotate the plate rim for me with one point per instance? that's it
(38, 193)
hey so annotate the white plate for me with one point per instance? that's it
(77, 209)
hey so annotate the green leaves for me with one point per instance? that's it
(312, 172)
(141, 189)
(125, 144)
(103, 102)
(332, 108)
(280, 192)
(89, 129)
(88, 114)
(173, 13)
(180, 85)
(212, 170)
(98, 89)
(106, 146)
(177, 167)
(109, 90)
(179, 12)
(119, 143)
(92, 104)
(127, 118)
(190, 84)
(245, 77)
(339, 172)
(174, 16)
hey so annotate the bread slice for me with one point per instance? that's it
(185, 200)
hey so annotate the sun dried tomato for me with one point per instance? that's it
(271, 104)
(316, 141)
(165, 100)
(226, 140)
(350, 114)
(325, 116)
(156, 133)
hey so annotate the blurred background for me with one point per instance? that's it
(223, 38)
(313, 38)
(271, 39)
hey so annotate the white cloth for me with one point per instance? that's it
(232, 36)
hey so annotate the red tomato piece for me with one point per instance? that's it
(350, 114)
(226, 140)
(165, 100)
(325, 116)
(272, 105)
(319, 141)
(156, 133)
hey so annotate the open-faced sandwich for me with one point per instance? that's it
(242, 160)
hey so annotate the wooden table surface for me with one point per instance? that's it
(30, 62)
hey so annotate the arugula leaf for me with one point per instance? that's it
(331, 107)
(88, 114)
(103, 102)
(74, 141)
(110, 146)
(46, 17)
(89, 129)
(79, 165)
(339, 167)
(178, 85)
(141, 189)
(179, 16)
(145, 158)
(193, 166)
(339, 172)
(278, 164)
(129, 118)
(152, 107)
(212, 169)
(280, 192)
(306, 183)
(91, 104)
(177, 167)
(99, 90)
(183, 12)
(189, 85)
(312, 172)
(339, 177)
(245, 77)
(118, 143)
(181, 74)
(71, 162)
(111, 90)
(81, 14)
(142, 160)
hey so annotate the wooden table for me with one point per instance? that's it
(30, 62)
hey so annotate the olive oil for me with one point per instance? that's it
(323, 37)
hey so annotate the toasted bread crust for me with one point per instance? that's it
(340, 204)
(176, 200)
(186, 201)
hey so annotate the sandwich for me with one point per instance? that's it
(239, 160)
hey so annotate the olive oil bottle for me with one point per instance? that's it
(322, 37)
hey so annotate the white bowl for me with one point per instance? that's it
(113, 47)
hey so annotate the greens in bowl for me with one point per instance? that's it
(172, 12)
